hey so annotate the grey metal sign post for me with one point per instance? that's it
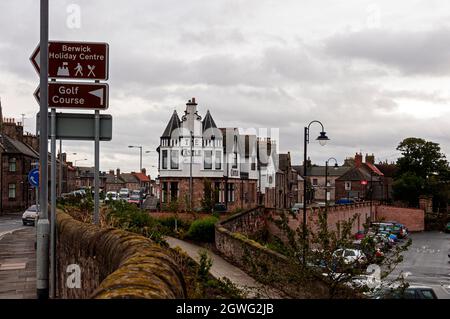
(97, 168)
(43, 228)
(53, 206)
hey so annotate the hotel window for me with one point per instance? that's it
(12, 164)
(207, 160)
(218, 160)
(230, 192)
(12, 191)
(253, 166)
(174, 159)
(235, 162)
(164, 159)
(315, 182)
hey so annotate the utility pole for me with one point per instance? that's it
(43, 226)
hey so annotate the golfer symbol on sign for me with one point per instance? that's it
(91, 70)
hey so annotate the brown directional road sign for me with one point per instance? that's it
(75, 60)
(76, 95)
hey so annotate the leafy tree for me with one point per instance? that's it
(423, 158)
(422, 170)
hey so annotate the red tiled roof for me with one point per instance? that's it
(142, 177)
(374, 169)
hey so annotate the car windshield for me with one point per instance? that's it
(134, 197)
(32, 208)
(349, 253)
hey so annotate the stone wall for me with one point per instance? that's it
(114, 263)
(265, 265)
(413, 219)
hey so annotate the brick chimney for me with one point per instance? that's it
(144, 171)
(111, 172)
(358, 159)
(370, 159)
(118, 172)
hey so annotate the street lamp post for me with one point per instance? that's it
(326, 178)
(140, 155)
(322, 141)
(84, 159)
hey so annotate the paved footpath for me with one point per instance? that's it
(221, 268)
(18, 264)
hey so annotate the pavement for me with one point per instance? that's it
(221, 268)
(426, 262)
(17, 259)
(9, 223)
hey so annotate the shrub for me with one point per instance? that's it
(202, 229)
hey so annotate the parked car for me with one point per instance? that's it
(124, 194)
(111, 196)
(447, 228)
(30, 216)
(360, 235)
(412, 292)
(135, 199)
(296, 208)
(350, 256)
(344, 201)
(220, 208)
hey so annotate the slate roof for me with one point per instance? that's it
(174, 123)
(129, 178)
(355, 174)
(208, 122)
(14, 146)
(320, 170)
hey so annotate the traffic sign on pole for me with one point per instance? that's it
(75, 60)
(33, 177)
(78, 95)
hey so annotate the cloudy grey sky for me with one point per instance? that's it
(374, 72)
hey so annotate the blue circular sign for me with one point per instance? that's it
(33, 177)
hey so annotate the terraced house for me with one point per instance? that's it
(195, 155)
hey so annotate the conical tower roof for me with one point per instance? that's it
(174, 123)
(208, 122)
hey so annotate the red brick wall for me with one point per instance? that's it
(335, 214)
(244, 194)
(412, 218)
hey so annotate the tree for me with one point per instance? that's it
(423, 158)
(324, 268)
(422, 170)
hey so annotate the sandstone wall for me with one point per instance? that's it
(114, 263)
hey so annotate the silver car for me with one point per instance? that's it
(30, 216)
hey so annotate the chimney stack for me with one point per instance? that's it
(144, 171)
(118, 172)
(370, 159)
(358, 159)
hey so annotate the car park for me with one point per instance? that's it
(30, 216)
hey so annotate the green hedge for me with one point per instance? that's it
(203, 229)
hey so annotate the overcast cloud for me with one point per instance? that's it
(374, 72)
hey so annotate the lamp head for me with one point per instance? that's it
(323, 138)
